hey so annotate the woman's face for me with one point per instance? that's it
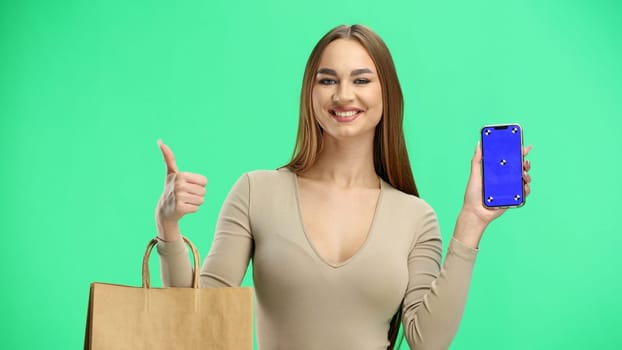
(347, 97)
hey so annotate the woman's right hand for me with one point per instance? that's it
(183, 193)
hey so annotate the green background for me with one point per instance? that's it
(87, 88)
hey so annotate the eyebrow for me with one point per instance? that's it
(332, 72)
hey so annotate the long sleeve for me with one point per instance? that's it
(175, 268)
(231, 249)
(435, 297)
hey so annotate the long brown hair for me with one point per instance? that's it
(390, 155)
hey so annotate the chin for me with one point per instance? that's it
(349, 133)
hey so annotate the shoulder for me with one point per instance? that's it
(412, 213)
(277, 177)
(268, 194)
(263, 185)
(404, 201)
(268, 182)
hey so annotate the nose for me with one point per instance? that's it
(344, 93)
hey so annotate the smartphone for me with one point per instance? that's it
(502, 166)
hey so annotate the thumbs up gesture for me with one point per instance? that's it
(183, 193)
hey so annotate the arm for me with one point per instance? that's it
(435, 298)
(233, 243)
(231, 249)
(183, 193)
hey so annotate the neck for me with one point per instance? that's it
(346, 163)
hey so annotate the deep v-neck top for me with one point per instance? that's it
(359, 249)
(304, 303)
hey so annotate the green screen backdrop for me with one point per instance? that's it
(88, 87)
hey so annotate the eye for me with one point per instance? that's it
(327, 81)
(361, 81)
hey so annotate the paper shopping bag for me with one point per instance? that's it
(125, 317)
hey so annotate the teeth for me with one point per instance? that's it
(345, 114)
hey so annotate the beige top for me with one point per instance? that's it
(304, 302)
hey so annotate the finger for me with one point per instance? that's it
(188, 208)
(526, 150)
(169, 158)
(527, 165)
(476, 162)
(527, 189)
(197, 179)
(191, 199)
(192, 189)
(526, 177)
(477, 157)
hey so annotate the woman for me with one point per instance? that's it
(342, 247)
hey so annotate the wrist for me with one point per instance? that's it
(469, 228)
(168, 231)
(471, 217)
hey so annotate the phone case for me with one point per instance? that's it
(502, 166)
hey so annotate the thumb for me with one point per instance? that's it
(169, 158)
(477, 156)
(476, 162)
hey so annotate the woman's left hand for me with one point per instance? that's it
(473, 195)
(474, 217)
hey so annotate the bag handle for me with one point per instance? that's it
(153, 243)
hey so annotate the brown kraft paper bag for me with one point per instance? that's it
(125, 317)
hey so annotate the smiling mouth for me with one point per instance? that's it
(345, 116)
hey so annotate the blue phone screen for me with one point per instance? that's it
(502, 166)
